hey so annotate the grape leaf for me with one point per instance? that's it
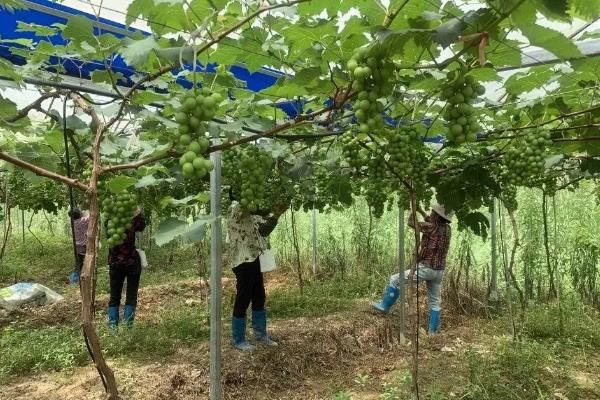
(553, 41)
(38, 30)
(79, 29)
(477, 222)
(120, 183)
(136, 52)
(586, 9)
(146, 97)
(172, 228)
(527, 81)
(103, 76)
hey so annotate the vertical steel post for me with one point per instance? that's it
(23, 223)
(401, 268)
(494, 261)
(314, 241)
(215, 278)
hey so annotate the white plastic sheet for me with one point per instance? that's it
(22, 294)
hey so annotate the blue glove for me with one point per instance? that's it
(74, 278)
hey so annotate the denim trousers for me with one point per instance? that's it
(433, 279)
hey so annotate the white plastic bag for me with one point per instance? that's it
(143, 258)
(22, 294)
(267, 261)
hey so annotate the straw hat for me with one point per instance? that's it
(441, 211)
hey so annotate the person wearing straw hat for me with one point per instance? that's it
(433, 250)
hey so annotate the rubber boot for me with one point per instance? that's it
(259, 325)
(74, 278)
(434, 322)
(113, 317)
(129, 315)
(238, 333)
(390, 295)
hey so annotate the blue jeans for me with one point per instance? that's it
(433, 278)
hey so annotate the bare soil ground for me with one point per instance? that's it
(317, 357)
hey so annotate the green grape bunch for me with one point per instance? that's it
(197, 107)
(372, 80)
(460, 91)
(525, 159)
(408, 155)
(376, 195)
(351, 150)
(86, 175)
(118, 210)
(508, 197)
(249, 169)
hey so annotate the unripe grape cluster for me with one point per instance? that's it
(508, 196)
(252, 166)
(375, 186)
(460, 91)
(525, 160)
(197, 107)
(376, 195)
(372, 80)
(118, 210)
(351, 150)
(408, 156)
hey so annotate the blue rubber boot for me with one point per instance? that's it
(129, 315)
(390, 295)
(74, 278)
(259, 325)
(238, 333)
(113, 317)
(434, 321)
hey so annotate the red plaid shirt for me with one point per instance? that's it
(435, 241)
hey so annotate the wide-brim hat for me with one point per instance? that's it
(441, 211)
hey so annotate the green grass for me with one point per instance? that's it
(27, 350)
(573, 323)
(319, 298)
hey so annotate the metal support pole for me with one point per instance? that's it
(401, 268)
(23, 224)
(215, 278)
(494, 262)
(314, 240)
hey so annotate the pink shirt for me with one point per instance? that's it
(81, 226)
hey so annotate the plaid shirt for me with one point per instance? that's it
(435, 241)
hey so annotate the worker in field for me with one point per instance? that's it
(80, 227)
(246, 233)
(125, 264)
(433, 250)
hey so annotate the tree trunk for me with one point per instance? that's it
(87, 296)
